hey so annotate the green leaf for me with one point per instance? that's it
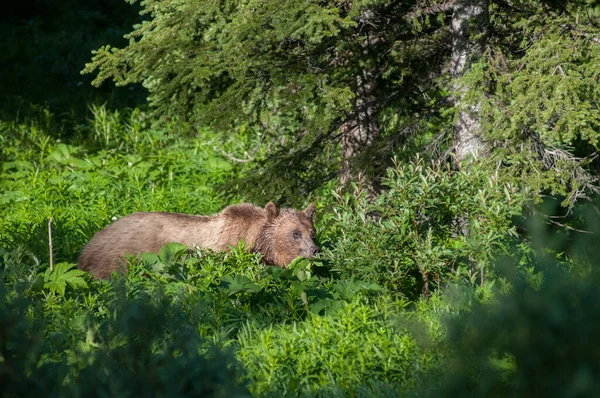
(301, 267)
(217, 164)
(150, 258)
(239, 283)
(62, 274)
(153, 260)
(170, 252)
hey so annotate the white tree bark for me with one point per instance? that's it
(469, 24)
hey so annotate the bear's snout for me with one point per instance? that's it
(314, 250)
(310, 251)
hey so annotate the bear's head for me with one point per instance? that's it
(287, 234)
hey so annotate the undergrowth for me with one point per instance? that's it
(84, 183)
(427, 290)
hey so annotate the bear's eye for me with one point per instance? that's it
(313, 234)
(297, 234)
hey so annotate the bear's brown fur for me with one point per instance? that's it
(280, 236)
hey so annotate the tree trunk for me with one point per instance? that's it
(470, 20)
(358, 132)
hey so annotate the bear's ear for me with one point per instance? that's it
(310, 211)
(272, 211)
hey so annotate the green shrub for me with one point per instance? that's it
(359, 345)
(429, 224)
(143, 347)
(536, 339)
(131, 334)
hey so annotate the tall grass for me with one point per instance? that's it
(358, 321)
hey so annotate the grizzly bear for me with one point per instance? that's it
(279, 235)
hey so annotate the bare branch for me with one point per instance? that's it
(50, 241)
(569, 227)
(230, 156)
(555, 159)
(578, 32)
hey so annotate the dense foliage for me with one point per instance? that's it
(413, 235)
(309, 78)
(435, 278)
(355, 322)
(114, 166)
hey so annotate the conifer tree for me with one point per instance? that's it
(334, 88)
(315, 74)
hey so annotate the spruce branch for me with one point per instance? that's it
(574, 30)
(421, 9)
(554, 159)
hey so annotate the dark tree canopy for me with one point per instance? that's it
(325, 87)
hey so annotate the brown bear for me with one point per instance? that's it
(280, 236)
